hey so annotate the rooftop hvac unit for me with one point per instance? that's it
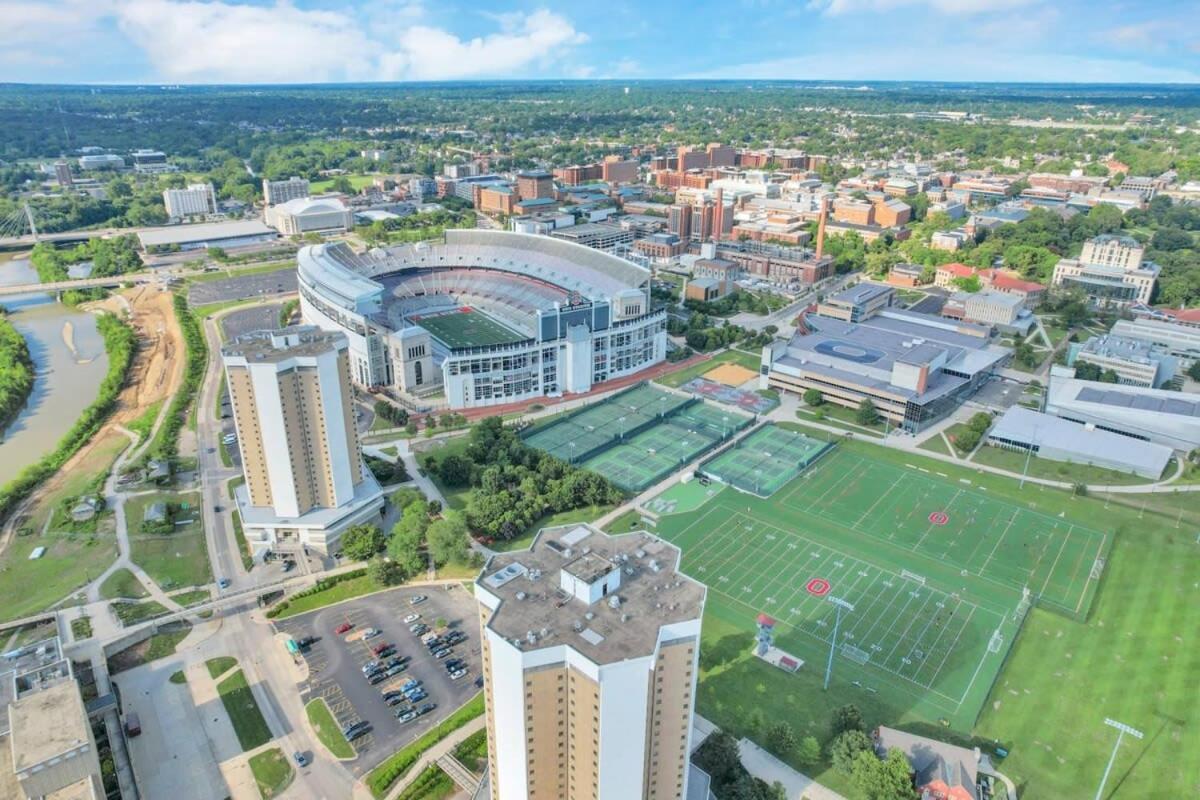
(614, 602)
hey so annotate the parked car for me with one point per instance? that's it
(133, 726)
(406, 715)
(301, 759)
(288, 566)
(398, 660)
(454, 637)
(396, 670)
(340, 629)
(458, 673)
(417, 599)
(395, 700)
(351, 727)
(418, 696)
(387, 652)
(418, 629)
(411, 618)
(454, 664)
(307, 641)
(223, 583)
(428, 707)
(371, 633)
(380, 647)
(359, 732)
(377, 678)
(442, 653)
(370, 667)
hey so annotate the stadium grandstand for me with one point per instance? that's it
(485, 317)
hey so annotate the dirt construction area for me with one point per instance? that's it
(158, 366)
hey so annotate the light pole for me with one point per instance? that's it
(840, 605)
(621, 422)
(572, 452)
(757, 478)
(1028, 455)
(1122, 729)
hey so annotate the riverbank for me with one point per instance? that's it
(16, 373)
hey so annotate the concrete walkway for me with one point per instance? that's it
(761, 764)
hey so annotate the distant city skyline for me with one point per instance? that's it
(317, 41)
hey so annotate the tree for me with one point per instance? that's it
(1110, 376)
(1193, 371)
(781, 739)
(808, 752)
(718, 756)
(362, 541)
(866, 414)
(455, 470)
(385, 572)
(980, 422)
(968, 283)
(847, 718)
(447, 539)
(887, 779)
(967, 440)
(845, 747)
(813, 397)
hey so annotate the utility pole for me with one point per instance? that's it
(839, 604)
(1122, 729)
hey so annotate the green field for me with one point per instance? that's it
(1128, 654)
(937, 601)
(467, 328)
(327, 730)
(242, 708)
(175, 559)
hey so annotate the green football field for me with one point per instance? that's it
(467, 327)
(934, 569)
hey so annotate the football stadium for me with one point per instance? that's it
(484, 317)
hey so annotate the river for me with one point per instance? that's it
(67, 381)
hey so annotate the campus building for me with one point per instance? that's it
(590, 649)
(507, 316)
(914, 368)
(305, 477)
(51, 746)
(1150, 415)
(227, 235)
(1110, 271)
(1179, 341)
(310, 215)
(197, 200)
(1135, 362)
(279, 192)
(1057, 439)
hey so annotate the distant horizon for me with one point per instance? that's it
(310, 42)
(844, 83)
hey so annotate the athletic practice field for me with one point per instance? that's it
(466, 327)
(935, 570)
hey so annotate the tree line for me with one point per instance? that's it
(16, 373)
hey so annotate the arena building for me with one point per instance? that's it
(485, 317)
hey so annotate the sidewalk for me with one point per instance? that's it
(430, 756)
(767, 767)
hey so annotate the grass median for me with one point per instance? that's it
(271, 771)
(380, 779)
(242, 708)
(327, 730)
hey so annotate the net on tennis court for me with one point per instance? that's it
(765, 460)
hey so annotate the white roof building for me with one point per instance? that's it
(310, 215)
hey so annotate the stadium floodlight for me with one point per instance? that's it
(621, 422)
(841, 605)
(1122, 729)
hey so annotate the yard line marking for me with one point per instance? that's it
(953, 646)
(880, 499)
(1003, 533)
(1053, 565)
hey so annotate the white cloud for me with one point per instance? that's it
(837, 7)
(219, 41)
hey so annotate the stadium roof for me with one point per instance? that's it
(204, 232)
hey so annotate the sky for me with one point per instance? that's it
(318, 41)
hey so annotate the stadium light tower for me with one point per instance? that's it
(1122, 729)
(840, 605)
(621, 421)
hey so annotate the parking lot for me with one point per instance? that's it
(247, 320)
(242, 287)
(335, 663)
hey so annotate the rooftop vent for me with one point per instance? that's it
(589, 616)
(520, 595)
(655, 566)
(614, 602)
(640, 553)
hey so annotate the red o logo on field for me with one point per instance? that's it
(939, 518)
(818, 587)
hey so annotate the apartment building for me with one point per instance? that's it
(305, 477)
(1135, 362)
(197, 200)
(615, 170)
(590, 645)
(533, 184)
(279, 192)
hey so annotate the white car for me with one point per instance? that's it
(371, 633)
(411, 618)
(417, 599)
(458, 673)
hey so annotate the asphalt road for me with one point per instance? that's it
(241, 287)
(335, 663)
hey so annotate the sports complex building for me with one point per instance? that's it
(485, 317)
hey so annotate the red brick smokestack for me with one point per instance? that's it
(821, 227)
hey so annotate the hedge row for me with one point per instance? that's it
(119, 343)
(166, 441)
(394, 768)
(319, 586)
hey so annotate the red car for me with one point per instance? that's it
(340, 629)
(379, 648)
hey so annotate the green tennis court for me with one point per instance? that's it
(765, 460)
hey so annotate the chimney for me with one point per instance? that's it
(821, 228)
(719, 217)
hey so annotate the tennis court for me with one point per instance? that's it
(765, 460)
(651, 455)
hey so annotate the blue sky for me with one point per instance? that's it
(289, 41)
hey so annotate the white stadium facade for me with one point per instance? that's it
(485, 317)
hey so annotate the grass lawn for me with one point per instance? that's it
(192, 597)
(220, 665)
(521, 542)
(936, 444)
(953, 432)
(357, 181)
(1014, 461)
(81, 628)
(472, 751)
(122, 583)
(456, 497)
(160, 645)
(380, 779)
(175, 559)
(630, 520)
(239, 534)
(272, 772)
(142, 425)
(242, 708)
(431, 784)
(676, 379)
(1130, 658)
(164, 644)
(71, 560)
(178, 677)
(837, 417)
(346, 590)
(327, 730)
(133, 613)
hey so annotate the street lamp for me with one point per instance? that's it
(1122, 729)
(572, 452)
(757, 478)
(840, 605)
(621, 422)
